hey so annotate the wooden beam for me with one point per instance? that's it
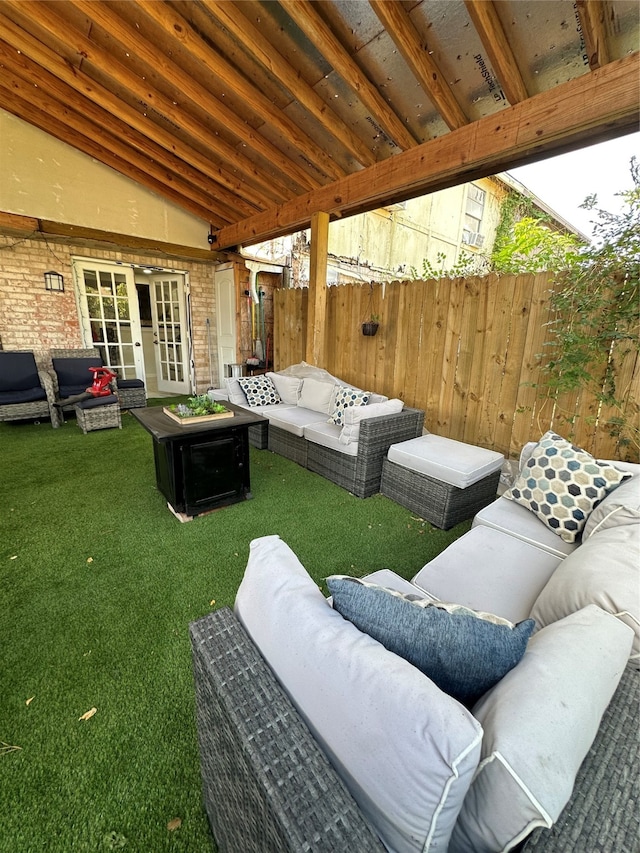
(266, 54)
(315, 350)
(24, 110)
(407, 39)
(592, 16)
(320, 34)
(15, 224)
(290, 172)
(257, 186)
(494, 40)
(182, 31)
(116, 149)
(591, 108)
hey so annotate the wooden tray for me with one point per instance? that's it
(198, 419)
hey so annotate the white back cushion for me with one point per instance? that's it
(316, 395)
(605, 570)
(539, 723)
(288, 387)
(235, 392)
(405, 750)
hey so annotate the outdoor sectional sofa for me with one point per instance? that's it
(324, 424)
(316, 736)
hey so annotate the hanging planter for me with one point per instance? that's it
(370, 328)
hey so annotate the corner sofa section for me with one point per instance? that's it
(345, 444)
(545, 760)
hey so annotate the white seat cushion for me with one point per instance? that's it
(445, 459)
(328, 435)
(517, 521)
(489, 571)
(292, 419)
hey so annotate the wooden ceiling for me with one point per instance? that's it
(255, 114)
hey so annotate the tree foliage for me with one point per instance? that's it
(597, 319)
(465, 265)
(534, 247)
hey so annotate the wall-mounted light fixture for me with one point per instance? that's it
(53, 281)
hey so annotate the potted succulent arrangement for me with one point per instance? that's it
(199, 409)
(370, 326)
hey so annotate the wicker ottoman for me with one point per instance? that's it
(98, 413)
(441, 480)
(131, 393)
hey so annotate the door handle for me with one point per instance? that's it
(137, 343)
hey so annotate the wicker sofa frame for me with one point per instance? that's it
(359, 474)
(269, 788)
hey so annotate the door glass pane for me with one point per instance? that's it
(90, 281)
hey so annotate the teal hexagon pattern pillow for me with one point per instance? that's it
(259, 391)
(346, 398)
(562, 484)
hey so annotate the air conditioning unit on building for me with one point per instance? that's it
(472, 238)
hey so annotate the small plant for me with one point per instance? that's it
(196, 407)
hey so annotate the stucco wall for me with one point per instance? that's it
(47, 179)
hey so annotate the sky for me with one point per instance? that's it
(565, 181)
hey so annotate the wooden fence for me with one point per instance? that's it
(467, 351)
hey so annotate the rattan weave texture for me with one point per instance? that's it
(259, 436)
(38, 408)
(287, 444)
(267, 785)
(360, 474)
(132, 398)
(98, 417)
(439, 503)
(602, 815)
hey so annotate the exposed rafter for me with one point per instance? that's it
(599, 105)
(253, 41)
(254, 114)
(319, 33)
(407, 39)
(184, 33)
(494, 40)
(592, 19)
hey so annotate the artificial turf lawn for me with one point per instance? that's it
(99, 583)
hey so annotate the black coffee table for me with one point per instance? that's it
(203, 466)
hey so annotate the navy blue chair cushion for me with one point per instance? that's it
(94, 402)
(31, 395)
(74, 375)
(130, 383)
(18, 372)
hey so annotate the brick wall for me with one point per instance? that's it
(36, 319)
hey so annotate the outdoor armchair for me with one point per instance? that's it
(25, 391)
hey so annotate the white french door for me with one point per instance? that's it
(109, 315)
(226, 317)
(170, 332)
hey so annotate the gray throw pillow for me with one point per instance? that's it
(462, 651)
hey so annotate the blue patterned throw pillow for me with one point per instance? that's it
(562, 484)
(347, 398)
(464, 652)
(259, 391)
